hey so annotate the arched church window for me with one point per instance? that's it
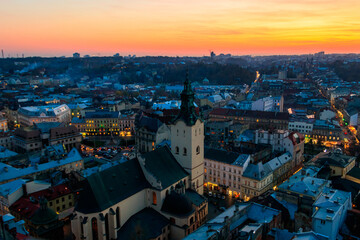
(94, 228)
(107, 230)
(185, 152)
(177, 150)
(81, 226)
(117, 217)
(197, 150)
(195, 132)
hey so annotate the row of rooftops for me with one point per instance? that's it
(305, 182)
(254, 171)
(7, 172)
(330, 203)
(250, 114)
(235, 217)
(54, 129)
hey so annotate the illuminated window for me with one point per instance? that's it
(154, 198)
(94, 228)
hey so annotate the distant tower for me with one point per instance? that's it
(76, 55)
(282, 74)
(187, 139)
(2, 53)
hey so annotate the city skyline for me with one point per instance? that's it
(163, 27)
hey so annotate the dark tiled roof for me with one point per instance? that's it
(56, 132)
(220, 155)
(177, 204)
(28, 132)
(250, 113)
(77, 120)
(333, 159)
(146, 224)
(255, 171)
(106, 188)
(163, 165)
(151, 124)
(44, 215)
(101, 114)
(194, 197)
(45, 127)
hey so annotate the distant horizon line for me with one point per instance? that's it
(22, 56)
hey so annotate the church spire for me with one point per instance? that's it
(187, 109)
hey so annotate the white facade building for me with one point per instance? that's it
(263, 104)
(274, 138)
(304, 127)
(27, 116)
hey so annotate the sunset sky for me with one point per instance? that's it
(187, 27)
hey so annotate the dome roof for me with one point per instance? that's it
(177, 204)
(44, 215)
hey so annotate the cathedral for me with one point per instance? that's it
(155, 195)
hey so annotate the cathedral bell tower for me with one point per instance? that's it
(187, 139)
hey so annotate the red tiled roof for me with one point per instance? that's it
(296, 137)
(52, 192)
(26, 207)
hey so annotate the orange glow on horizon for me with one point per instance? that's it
(169, 27)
